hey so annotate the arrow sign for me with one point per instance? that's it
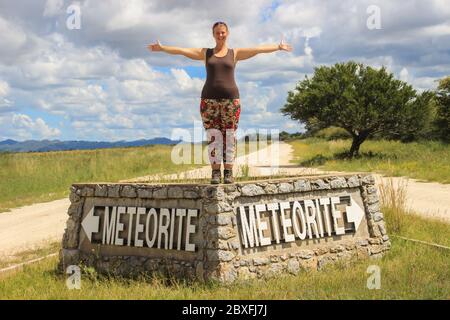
(90, 224)
(354, 213)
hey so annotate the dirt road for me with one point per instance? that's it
(35, 225)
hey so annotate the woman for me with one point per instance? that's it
(220, 104)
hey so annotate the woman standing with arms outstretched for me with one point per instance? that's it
(220, 105)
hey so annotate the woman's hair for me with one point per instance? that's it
(219, 23)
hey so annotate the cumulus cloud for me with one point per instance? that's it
(53, 8)
(4, 88)
(22, 126)
(103, 82)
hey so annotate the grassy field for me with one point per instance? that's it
(428, 161)
(27, 178)
(408, 271)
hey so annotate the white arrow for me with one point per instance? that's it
(354, 213)
(90, 224)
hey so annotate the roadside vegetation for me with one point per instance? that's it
(423, 160)
(27, 178)
(409, 270)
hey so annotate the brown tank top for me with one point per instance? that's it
(220, 83)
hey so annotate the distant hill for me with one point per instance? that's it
(57, 145)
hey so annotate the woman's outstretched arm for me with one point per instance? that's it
(245, 53)
(192, 53)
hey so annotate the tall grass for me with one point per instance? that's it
(428, 160)
(31, 177)
(408, 271)
(393, 199)
(404, 222)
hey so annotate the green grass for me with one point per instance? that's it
(408, 271)
(30, 254)
(428, 160)
(27, 178)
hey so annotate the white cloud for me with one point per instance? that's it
(4, 88)
(53, 8)
(105, 83)
(27, 128)
(14, 38)
(404, 75)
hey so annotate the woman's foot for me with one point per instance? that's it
(228, 176)
(216, 176)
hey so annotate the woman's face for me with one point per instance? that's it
(220, 34)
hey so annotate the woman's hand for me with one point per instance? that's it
(284, 46)
(155, 47)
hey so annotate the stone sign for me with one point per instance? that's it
(224, 232)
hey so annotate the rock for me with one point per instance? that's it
(319, 184)
(144, 193)
(260, 261)
(353, 181)
(373, 208)
(362, 242)
(101, 191)
(293, 266)
(231, 188)
(160, 193)
(276, 268)
(223, 219)
(244, 273)
(324, 260)
(372, 198)
(320, 251)
(87, 192)
(234, 244)
(175, 192)
(220, 255)
(270, 188)
(74, 198)
(338, 248)
(377, 216)
(375, 241)
(113, 191)
(228, 274)
(302, 185)
(128, 192)
(250, 190)
(371, 189)
(305, 254)
(225, 232)
(191, 194)
(285, 187)
(367, 179)
(212, 208)
(338, 182)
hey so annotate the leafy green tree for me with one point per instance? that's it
(362, 100)
(442, 122)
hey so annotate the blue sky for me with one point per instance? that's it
(101, 83)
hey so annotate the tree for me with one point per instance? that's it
(360, 99)
(442, 122)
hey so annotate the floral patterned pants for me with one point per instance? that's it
(220, 119)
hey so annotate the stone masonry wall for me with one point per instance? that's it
(220, 255)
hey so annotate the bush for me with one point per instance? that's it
(332, 133)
